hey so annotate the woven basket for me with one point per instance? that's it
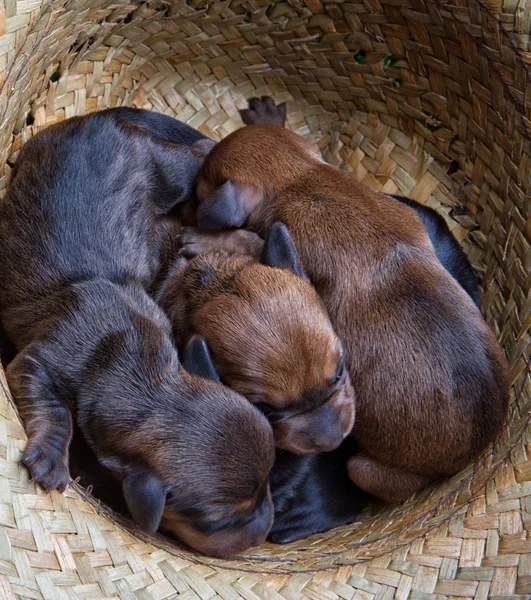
(420, 97)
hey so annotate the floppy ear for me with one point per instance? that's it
(197, 360)
(223, 209)
(145, 499)
(279, 251)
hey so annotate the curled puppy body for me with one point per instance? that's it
(430, 378)
(273, 342)
(270, 337)
(262, 111)
(77, 231)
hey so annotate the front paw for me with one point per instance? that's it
(47, 465)
(195, 241)
(286, 536)
(262, 111)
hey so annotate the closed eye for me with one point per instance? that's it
(340, 369)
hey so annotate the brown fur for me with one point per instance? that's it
(271, 340)
(430, 377)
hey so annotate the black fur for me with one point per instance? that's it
(197, 360)
(223, 209)
(312, 494)
(279, 251)
(447, 249)
(162, 127)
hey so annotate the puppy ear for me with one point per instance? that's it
(145, 499)
(223, 209)
(279, 251)
(197, 360)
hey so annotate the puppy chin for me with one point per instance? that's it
(301, 443)
(344, 403)
(297, 444)
(319, 430)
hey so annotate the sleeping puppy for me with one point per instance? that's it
(431, 380)
(312, 494)
(77, 231)
(262, 111)
(270, 337)
(272, 341)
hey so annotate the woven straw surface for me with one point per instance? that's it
(427, 98)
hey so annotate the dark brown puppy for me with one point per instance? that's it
(430, 378)
(77, 233)
(271, 339)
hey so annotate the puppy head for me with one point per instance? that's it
(202, 473)
(271, 340)
(245, 170)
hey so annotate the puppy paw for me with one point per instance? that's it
(286, 536)
(47, 465)
(262, 111)
(195, 241)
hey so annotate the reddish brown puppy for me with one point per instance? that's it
(271, 339)
(430, 378)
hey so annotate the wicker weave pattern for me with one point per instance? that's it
(420, 97)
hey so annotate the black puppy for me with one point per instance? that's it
(312, 494)
(78, 245)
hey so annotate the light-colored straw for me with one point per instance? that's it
(419, 97)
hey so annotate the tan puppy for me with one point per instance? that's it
(430, 378)
(271, 339)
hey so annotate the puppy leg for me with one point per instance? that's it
(238, 241)
(47, 421)
(262, 111)
(388, 483)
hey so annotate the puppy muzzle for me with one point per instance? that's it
(319, 430)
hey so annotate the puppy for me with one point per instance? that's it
(312, 494)
(262, 111)
(77, 231)
(272, 341)
(430, 378)
(270, 337)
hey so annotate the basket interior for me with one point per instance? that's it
(403, 96)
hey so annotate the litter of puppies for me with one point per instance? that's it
(304, 346)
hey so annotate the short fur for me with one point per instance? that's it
(262, 111)
(447, 249)
(313, 494)
(272, 341)
(270, 337)
(78, 245)
(430, 378)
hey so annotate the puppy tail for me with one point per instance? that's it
(160, 126)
